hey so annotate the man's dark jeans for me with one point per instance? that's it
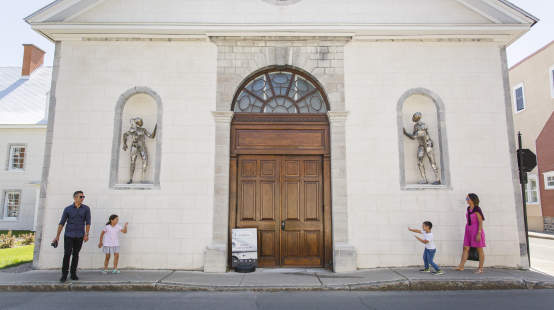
(71, 246)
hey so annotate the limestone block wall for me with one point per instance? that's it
(25, 181)
(467, 76)
(169, 227)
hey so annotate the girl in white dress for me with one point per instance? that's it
(109, 241)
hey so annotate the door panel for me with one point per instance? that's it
(302, 244)
(258, 204)
(272, 189)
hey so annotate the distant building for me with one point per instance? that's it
(532, 89)
(545, 151)
(24, 93)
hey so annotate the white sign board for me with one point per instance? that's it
(245, 240)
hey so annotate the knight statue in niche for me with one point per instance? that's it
(424, 149)
(138, 135)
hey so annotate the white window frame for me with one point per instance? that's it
(515, 97)
(10, 156)
(537, 189)
(546, 175)
(4, 215)
(551, 75)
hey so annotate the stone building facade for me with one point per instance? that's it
(333, 188)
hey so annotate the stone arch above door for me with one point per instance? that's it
(280, 89)
(320, 57)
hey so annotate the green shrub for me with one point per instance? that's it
(28, 239)
(15, 233)
(7, 241)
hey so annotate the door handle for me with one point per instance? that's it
(283, 225)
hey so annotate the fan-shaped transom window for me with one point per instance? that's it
(280, 91)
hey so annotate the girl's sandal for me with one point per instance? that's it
(115, 271)
(105, 271)
(478, 271)
(459, 269)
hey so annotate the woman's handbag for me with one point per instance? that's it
(473, 254)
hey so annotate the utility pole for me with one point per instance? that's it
(523, 181)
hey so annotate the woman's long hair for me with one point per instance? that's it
(475, 199)
(112, 217)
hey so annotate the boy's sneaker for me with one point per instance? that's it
(104, 271)
(438, 273)
(425, 270)
(115, 271)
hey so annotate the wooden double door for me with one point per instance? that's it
(282, 196)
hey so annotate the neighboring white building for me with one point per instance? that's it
(24, 93)
(325, 172)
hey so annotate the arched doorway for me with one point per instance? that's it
(280, 167)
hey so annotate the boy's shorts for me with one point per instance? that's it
(110, 249)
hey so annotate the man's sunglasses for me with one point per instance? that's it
(82, 197)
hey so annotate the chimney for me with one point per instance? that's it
(33, 57)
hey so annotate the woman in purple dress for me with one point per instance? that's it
(475, 235)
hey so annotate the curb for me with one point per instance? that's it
(404, 285)
(541, 236)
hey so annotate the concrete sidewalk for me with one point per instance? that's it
(277, 280)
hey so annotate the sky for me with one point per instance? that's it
(15, 31)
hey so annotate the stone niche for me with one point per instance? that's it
(432, 110)
(143, 103)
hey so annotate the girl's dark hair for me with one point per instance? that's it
(112, 217)
(428, 224)
(474, 198)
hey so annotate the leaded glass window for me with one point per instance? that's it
(280, 91)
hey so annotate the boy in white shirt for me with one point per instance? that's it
(430, 248)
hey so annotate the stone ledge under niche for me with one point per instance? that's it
(138, 186)
(424, 186)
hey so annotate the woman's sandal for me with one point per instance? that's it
(459, 269)
(478, 271)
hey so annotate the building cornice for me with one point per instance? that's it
(182, 31)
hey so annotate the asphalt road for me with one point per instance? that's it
(542, 255)
(456, 300)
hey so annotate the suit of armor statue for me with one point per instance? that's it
(137, 135)
(424, 149)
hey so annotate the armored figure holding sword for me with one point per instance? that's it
(425, 148)
(137, 135)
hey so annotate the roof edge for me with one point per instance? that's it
(531, 55)
(41, 10)
(520, 10)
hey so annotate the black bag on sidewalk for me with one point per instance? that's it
(473, 254)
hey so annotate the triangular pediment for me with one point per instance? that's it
(347, 17)
(264, 12)
(305, 11)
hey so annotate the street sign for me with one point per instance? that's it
(526, 159)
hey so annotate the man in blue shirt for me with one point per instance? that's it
(77, 217)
